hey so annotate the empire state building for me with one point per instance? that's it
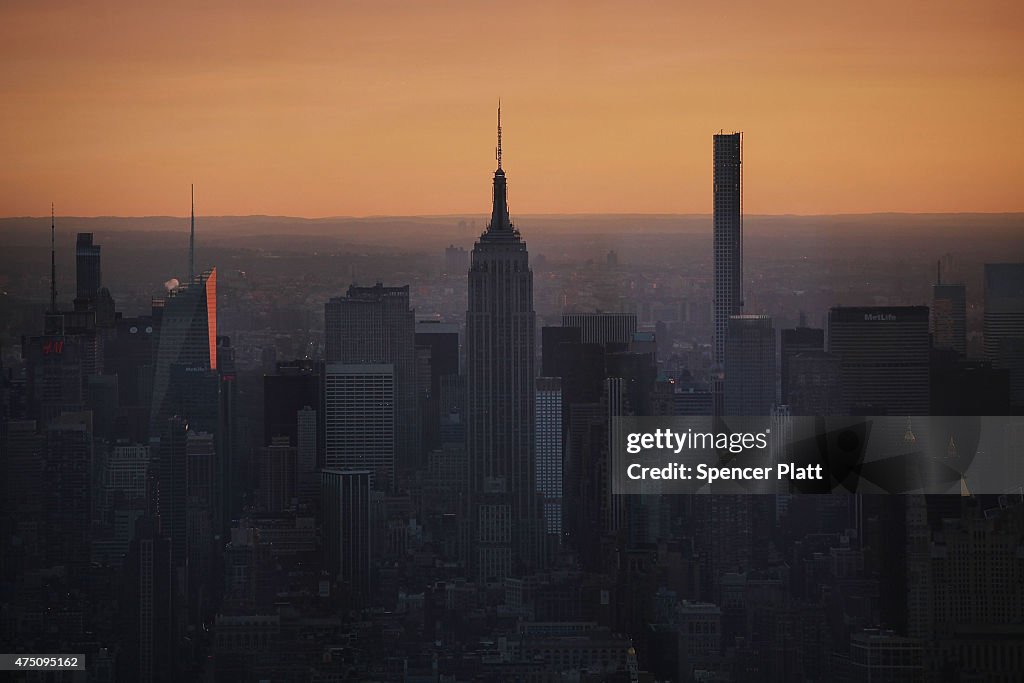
(500, 325)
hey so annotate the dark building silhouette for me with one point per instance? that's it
(347, 542)
(229, 470)
(87, 269)
(456, 260)
(750, 366)
(187, 338)
(56, 366)
(67, 490)
(884, 354)
(147, 607)
(602, 328)
(949, 316)
(296, 385)
(278, 468)
(201, 509)
(168, 466)
(791, 342)
(967, 387)
(728, 236)
(374, 326)
(815, 384)
(130, 353)
(443, 396)
(500, 328)
(1004, 323)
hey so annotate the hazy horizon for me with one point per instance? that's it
(385, 108)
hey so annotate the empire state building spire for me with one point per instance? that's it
(499, 135)
(500, 223)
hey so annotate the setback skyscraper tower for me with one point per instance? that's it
(500, 325)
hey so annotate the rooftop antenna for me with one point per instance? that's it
(938, 272)
(499, 134)
(53, 263)
(192, 240)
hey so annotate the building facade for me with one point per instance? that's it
(500, 372)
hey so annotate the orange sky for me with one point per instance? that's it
(380, 107)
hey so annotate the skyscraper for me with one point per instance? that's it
(375, 325)
(442, 392)
(1004, 305)
(549, 452)
(602, 328)
(277, 475)
(750, 365)
(295, 385)
(728, 236)
(360, 418)
(87, 268)
(67, 494)
(200, 511)
(814, 384)
(884, 358)
(949, 315)
(345, 496)
(792, 342)
(500, 325)
(1004, 323)
(307, 479)
(188, 338)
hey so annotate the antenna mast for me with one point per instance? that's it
(192, 240)
(499, 134)
(53, 263)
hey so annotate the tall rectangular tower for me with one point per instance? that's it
(346, 531)
(360, 418)
(793, 342)
(728, 236)
(883, 357)
(750, 366)
(87, 268)
(375, 325)
(949, 317)
(1004, 323)
(187, 338)
(500, 359)
(549, 452)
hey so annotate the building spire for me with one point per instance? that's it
(500, 221)
(53, 262)
(192, 240)
(499, 134)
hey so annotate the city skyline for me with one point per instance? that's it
(352, 97)
(246, 532)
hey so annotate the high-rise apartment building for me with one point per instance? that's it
(728, 236)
